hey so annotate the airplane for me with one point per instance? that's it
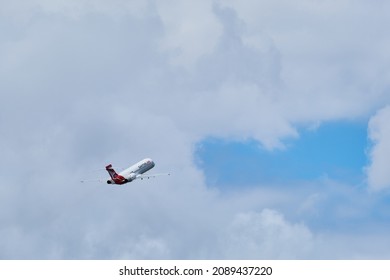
(132, 173)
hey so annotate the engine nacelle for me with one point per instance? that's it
(132, 177)
(109, 182)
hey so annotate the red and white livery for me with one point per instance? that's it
(135, 171)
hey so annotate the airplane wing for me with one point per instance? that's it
(142, 176)
(92, 180)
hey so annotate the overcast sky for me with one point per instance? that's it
(272, 116)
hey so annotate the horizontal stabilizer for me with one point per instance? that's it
(91, 180)
(152, 175)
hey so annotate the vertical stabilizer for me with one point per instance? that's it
(111, 171)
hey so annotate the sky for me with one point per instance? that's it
(271, 116)
(336, 150)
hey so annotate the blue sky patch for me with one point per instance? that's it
(335, 149)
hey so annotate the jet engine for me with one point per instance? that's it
(132, 177)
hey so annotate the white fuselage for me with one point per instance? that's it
(129, 174)
(137, 169)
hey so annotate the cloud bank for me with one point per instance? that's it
(378, 175)
(86, 83)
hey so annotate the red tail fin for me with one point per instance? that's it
(111, 171)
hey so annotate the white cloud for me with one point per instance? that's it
(86, 83)
(329, 70)
(24, 11)
(378, 174)
(186, 37)
(266, 235)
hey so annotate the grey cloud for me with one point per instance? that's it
(266, 235)
(82, 86)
